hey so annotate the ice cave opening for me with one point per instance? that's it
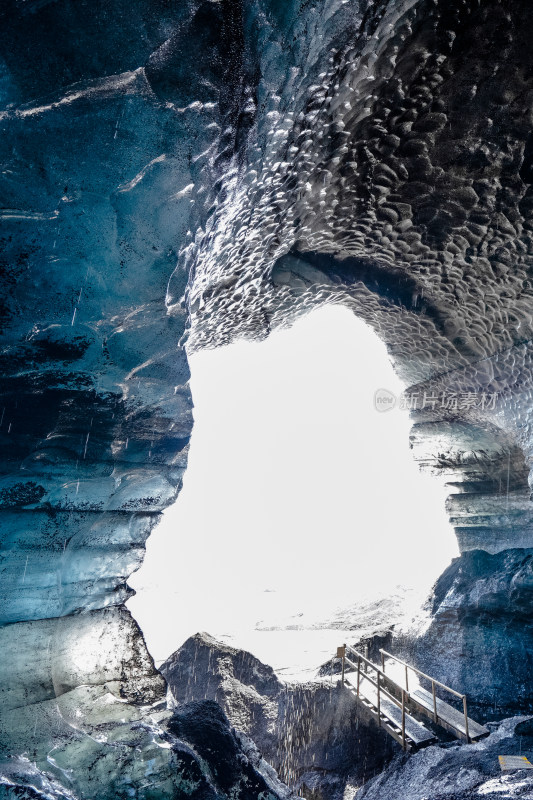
(303, 514)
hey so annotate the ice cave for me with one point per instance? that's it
(182, 175)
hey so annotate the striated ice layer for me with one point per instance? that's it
(95, 409)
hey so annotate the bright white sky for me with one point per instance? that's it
(300, 498)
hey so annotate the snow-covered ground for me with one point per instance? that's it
(294, 636)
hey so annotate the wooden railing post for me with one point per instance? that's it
(358, 673)
(466, 720)
(379, 704)
(407, 699)
(403, 719)
(343, 661)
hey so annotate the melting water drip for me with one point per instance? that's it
(78, 302)
(508, 477)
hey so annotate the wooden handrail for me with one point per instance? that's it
(382, 680)
(423, 674)
(374, 683)
(365, 659)
(434, 682)
(377, 683)
(382, 689)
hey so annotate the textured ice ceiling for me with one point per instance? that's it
(260, 157)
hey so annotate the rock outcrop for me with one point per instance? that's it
(460, 772)
(313, 734)
(480, 639)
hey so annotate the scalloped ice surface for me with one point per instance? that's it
(282, 155)
(399, 184)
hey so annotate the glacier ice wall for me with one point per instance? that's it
(258, 158)
(97, 170)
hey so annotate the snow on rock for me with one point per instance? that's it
(459, 771)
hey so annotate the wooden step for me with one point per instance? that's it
(448, 717)
(416, 734)
(418, 701)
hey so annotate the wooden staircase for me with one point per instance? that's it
(393, 705)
